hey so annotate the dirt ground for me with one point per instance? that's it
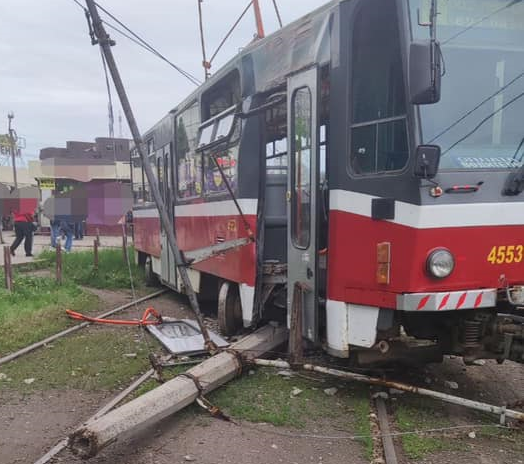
(32, 424)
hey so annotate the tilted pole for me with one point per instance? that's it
(12, 145)
(102, 38)
(258, 18)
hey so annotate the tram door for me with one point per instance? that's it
(165, 180)
(303, 197)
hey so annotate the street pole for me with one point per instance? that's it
(12, 144)
(103, 39)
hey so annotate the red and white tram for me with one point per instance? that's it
(370, 152)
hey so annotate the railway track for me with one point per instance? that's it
(63, 333)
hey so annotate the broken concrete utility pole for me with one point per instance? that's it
(174, 395)
(100, 36)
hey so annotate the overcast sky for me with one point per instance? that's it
(52, 78)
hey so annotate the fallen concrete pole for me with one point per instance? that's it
(174, 395)
(65, 332)
(104, 410)
(500, 411)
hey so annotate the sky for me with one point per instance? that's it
(52, 78)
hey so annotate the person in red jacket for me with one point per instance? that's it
(24, 229)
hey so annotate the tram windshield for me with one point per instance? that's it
(478, 122)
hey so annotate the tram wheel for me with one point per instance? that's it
(229, 309)
(150, 276)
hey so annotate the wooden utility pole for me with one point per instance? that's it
(12, 144)
(8, 270)
(258, 19)
(95, 255)
(102, 38)
(58, 262)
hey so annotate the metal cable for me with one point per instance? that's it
(140, 42)
(186, 74)
(231, 31)
(277, 11)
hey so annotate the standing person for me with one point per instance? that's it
(79, 230)
(55, 231)
(24, 229)
(68, 228)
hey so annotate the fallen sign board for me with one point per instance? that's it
(183, 336)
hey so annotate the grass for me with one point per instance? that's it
(112, 272)
(421, 414)
(36, 309)
(92, 360)
(265, 396)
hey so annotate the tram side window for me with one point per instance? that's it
(276, 140)
(160, 174)
(379, 140)
(189, 161)
(225, 156)
(301, 169)
(137, 178)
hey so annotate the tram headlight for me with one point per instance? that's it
(440, 263)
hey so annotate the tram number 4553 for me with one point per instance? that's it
(506, 254)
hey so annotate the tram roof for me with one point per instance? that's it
(288, 49)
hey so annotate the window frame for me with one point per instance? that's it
(376, 122)
(179, 199)
(293, 171)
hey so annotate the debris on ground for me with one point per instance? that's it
(183, 336)
(479, 362)
(295, 392)
(472, 435)
(130, 355)
(382, 395)
(285, 373)
(450, 384)
(189, 458)
(331, 391)
(3, 376)
(29, 381)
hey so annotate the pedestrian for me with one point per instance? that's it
(55, 231)
(79, 230)
(68, 228)
(24, 229)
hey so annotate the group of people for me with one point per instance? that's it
(25, 225)
(67, 230)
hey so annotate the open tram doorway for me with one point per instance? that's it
(296, 199)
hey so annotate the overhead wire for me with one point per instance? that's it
(149, 46)
(142, 43)
(277, 11)
(230, 31)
